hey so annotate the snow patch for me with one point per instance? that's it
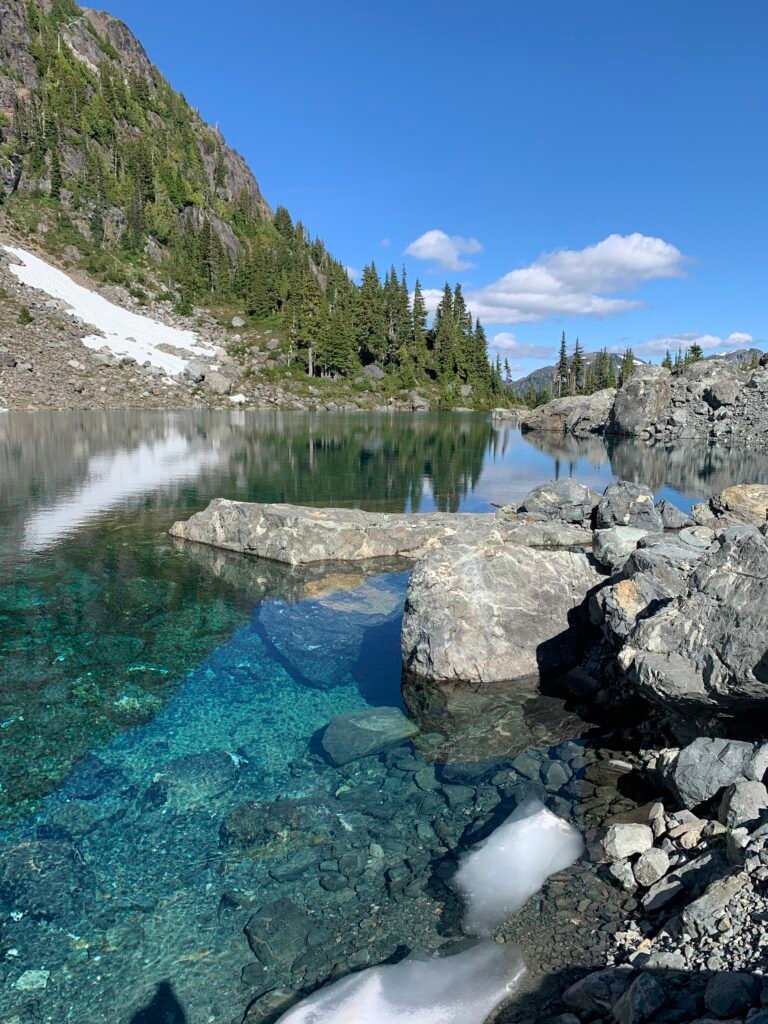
(422, 989)
(513, 863)
(125, 333)
(237, 399)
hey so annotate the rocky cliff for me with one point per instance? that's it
(709, 400)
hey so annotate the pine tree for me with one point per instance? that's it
(695, 353)
(627, 367)
(667, 361)
(563, 370)
(507, 372)
(419, 330)
(371, 321)
(445, 333)
(577, 369)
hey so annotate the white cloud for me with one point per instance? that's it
(507, 343)
(708, 343)
(432, 298)
(577, 282)
(445, 250)
(385, 243)
(352, 274)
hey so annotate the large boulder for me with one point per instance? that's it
(642, 403)
(707, 766)
(495, 611)
(627, 504)
(579, 415)
(708, 649)
(742, 503)
(564, 500)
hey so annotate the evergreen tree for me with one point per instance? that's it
(563, 370)
(577, 369)
(627, 367)
(419, 330)
(667, 361)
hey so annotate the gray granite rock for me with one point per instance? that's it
(651, 866)
(642, 402)
(627, 504)
(580, 415)
(706, 766)
(672, 518)
(563, 500)
(707, 650)
(701, 917)
(742, 804)
(620, 841)
(612, 547)
(495, 611)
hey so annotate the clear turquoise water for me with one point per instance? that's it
(150, 692)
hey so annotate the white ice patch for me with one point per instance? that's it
(513, 863)
(422, 989)
(125, 333)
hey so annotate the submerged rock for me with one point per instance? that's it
(359, 734)
(494, 611)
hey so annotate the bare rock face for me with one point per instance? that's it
(627, 504)
(561, 500)
(743, 503)
(642, 402)
(494, 611)
(579, 415)
(707, 650)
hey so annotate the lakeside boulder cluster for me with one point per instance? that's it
(626, 602)
(713, 399)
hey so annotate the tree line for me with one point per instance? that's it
(134, 176)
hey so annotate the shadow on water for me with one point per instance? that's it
(164, 1008)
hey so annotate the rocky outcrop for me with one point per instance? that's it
(742, 503)
(706, 650)
(642, 402)
(298, 535)
(579, 415)
(493, 611)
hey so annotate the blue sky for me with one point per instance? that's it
(596, 168)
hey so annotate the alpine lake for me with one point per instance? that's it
(162, 782)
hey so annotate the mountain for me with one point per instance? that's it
(106, 169)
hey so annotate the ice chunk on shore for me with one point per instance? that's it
(422, 989)
(125, 333)
(513, 863)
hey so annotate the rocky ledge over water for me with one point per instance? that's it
(712, 399)
(645, 617)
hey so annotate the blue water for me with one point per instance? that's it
(161, 711)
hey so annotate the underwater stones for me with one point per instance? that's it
(343, 620)
(493, 612)
(194, 779)
(44, 878)
(357, 734)
(277, 933)
(275, 825)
